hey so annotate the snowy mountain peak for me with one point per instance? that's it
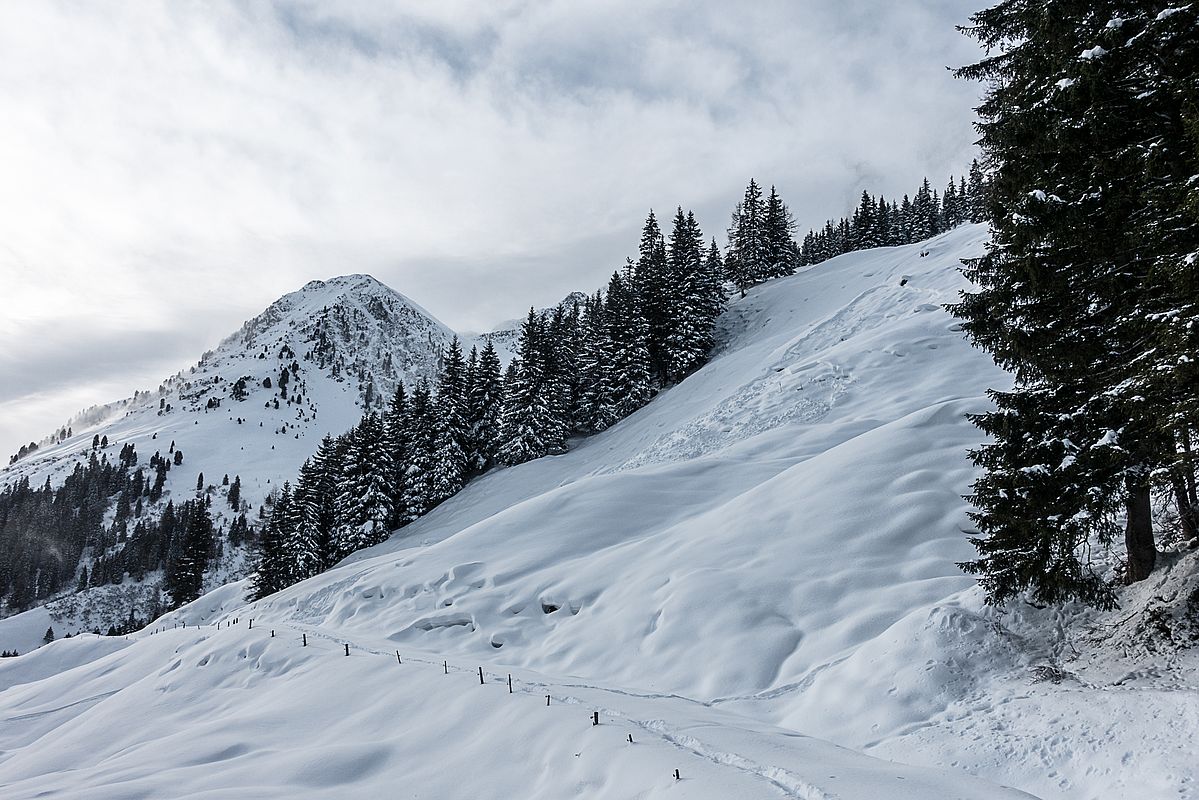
(344, 300)
(254, 408)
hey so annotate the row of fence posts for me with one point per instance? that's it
(445, 665)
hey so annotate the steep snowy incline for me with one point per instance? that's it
(784, 505)
(704, 560)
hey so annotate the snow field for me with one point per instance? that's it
(233, 712)
(766, 550)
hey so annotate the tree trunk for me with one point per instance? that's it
(1138, 532)
(1188, 467)
(1186, 511)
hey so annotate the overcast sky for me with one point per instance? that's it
(167, 170)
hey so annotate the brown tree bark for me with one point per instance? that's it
(1138, 531)
(1186, 510)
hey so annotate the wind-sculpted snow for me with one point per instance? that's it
(235, 712)
(764, 553)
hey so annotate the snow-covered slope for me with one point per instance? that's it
(764, 553)
(340, 341)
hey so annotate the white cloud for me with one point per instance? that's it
(175, 167)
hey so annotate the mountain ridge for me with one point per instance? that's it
(250, 411)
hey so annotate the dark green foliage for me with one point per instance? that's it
(1087, 291)
(273, 570)
(484, 410)
(533, 423)
(879, 223)
(234, 495)
(184, 580)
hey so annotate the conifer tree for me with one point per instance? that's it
(364, 501)
(716, 298)
(1073, 280)
(627, 332)
(690, 325)
(978, 205)
(651, 285)
(271, 572)
(532, 425)
(780, 243)
(484, 409)
(234, 495)
(745, 263)
(453, 444)
(397, 442)
(422, 443)
(310, 548)
(185, 574)
(598, 401)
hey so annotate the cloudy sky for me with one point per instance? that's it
(169, 169)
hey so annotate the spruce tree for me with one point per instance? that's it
(397, 441)
(690, 324)
(234, 496)
(272, 570)
(627, 333)
(978, 202)
(422, 443)
(310, 547)
(364, 500)
(1074, 279)
(484, 408)
(597, 392)
(185, 574)
(532, 425)
(745, 263)
(780, 243)
(651, 285)
(453, 433)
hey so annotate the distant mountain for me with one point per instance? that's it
(255, 407)
(503, 338)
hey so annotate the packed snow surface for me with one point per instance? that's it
(761, 559)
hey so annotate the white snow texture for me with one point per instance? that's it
(753, 577)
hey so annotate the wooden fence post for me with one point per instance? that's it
(509, 683)
(347, 648)
(547, 699)
(398, 657)
(480, 676)
(305, 639)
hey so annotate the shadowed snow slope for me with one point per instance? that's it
(769, 543)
